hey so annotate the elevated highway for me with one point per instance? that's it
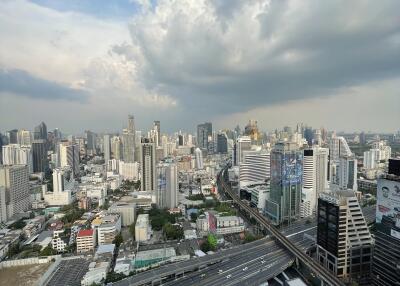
(323, 274)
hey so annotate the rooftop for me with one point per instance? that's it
(85, 232)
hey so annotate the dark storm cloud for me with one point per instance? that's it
(265, 52)
(22, 83)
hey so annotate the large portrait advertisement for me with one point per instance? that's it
(388, 206)
(292, 169)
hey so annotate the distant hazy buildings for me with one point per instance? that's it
(203, 132)
(40, 132)
(106, 147)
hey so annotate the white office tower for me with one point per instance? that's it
(338, 147)
(255, 167)
(14, 191)
(385, 152)
(24, 137)
(63, 189)
(343, 165)
(243, 143)
(199, 159)
(344, 243)
(153, 135)
(106, 147)
(129, 171)
(113, 166)
(148, 166)
(167, 185)
(116, 147)
(15, 154)
(315, 178)
(69, 156)
(370, 160)
(138, 147)
(344, 174)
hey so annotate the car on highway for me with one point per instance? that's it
(244, 269)
(220, 271)
(262, 261)
(229, 276)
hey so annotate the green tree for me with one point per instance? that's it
(118, 240)
(113, 277)
(173, 231)
(19, 224)
(212, 241)
(193, 217)
(47, 251)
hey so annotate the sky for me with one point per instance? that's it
(80, 65)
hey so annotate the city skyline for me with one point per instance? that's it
(246, 60)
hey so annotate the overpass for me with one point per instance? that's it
(323, 274)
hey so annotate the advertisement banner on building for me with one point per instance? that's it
(388, 206)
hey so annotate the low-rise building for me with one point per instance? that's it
(85, 240)
(126, 210)
(59, 241)
(108, 227)
(142, 228)
(211, 223)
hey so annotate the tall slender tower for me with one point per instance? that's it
(157, 126)
(107, 147)
(128, 141)
(148, 165)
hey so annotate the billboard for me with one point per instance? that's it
(292, 169)
(388, 207)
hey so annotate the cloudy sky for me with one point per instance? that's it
(87, 64)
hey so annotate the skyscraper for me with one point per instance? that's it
(128, 141)
(167, 185)
(255, 168)
(90, 142)
(40, 132)
(344, 243)
(286, 182)
(69, 156)
(39, 154)
(315, 178)
(157, 126)
(148, 165)
(344, 174)
(116, 147)
(12, 136)
(106, 147)
(199, 159)
(386, 261)
(203, 131)
(15, 154)
(243, 144)
(24, 137)
(14, 191)
(222, 143)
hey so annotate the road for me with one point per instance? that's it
(314, 266)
